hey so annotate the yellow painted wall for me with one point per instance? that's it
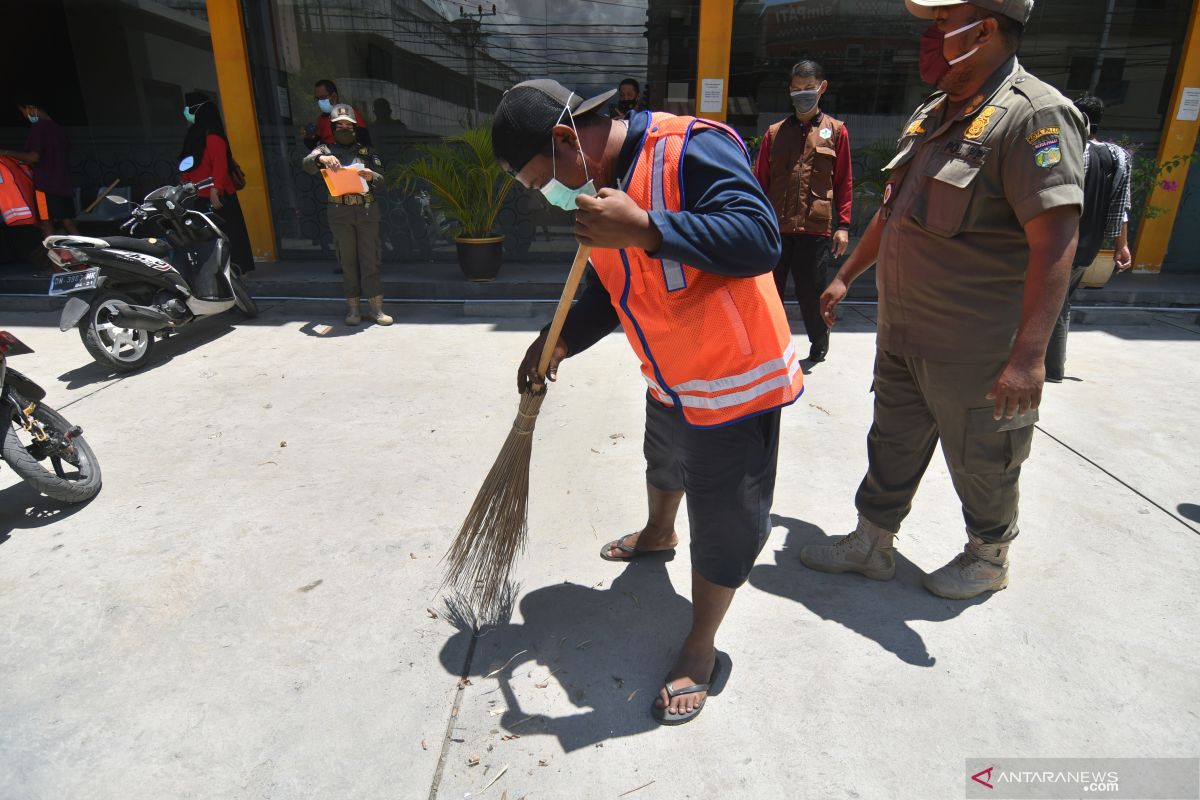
(241, 120)
(1179, 138)
(716, 32)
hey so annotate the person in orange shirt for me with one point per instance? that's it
(208, 148)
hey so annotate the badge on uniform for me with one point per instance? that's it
(915, 128)
(1046, 150)
(887, 192)
(980, 124)
(1047, 154)
(826, 133)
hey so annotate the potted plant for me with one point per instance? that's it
(468, 187)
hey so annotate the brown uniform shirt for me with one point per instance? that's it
(953, 255)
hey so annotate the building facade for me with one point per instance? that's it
(114, 72)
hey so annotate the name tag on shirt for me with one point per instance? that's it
(970, 152)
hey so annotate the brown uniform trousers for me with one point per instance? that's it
(356, 233)
(918, 402)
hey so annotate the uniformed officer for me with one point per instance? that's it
(354, 218)
(974, 246)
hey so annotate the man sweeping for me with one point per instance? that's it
(684, 247)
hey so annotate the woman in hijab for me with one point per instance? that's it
(208, 147)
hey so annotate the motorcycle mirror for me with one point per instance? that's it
(187, 163)
(116, 198)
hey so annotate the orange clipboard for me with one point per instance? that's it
(346, 180)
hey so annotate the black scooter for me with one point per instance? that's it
(127, 292)
(48, 452)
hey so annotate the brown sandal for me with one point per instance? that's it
(631, 551)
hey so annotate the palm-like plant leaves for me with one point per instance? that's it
(467, 183)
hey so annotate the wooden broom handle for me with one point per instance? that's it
(560, 314)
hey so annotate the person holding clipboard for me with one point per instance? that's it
(351, 171)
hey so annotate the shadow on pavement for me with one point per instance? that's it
(185, 341)
(608, 649)
(879, 610)
(23, 508)
(1189, 511)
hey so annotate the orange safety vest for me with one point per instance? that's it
(16, 192)
(717, 347)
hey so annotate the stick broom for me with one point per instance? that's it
(494, 532)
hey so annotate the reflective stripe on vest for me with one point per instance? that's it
(739, 398)
(786, 362)
(656, 390)
(672, 270)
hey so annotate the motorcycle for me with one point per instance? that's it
(127, 292)
(35, 433)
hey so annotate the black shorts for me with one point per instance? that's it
(58, 207)
(728, 477)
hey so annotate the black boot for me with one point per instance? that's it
(819, 349)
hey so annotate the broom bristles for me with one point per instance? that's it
(494, 532)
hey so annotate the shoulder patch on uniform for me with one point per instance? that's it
(980, 124)
(1042, 133)
(1047, 154)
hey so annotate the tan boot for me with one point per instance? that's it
(869, 551)
(377, 311)
(353, 315)
(980, 567)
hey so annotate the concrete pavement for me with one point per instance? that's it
(250, 608)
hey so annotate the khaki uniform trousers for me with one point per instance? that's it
(918, 402)
(356, 233)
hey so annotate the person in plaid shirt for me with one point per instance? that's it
(1106, 173)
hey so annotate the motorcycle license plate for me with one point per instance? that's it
(66, 282)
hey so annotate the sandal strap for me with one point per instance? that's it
(619, 544)
(695, 688)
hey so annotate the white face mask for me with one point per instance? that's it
(557, 193)
(956, 32)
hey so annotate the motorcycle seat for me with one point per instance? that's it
(158, 249)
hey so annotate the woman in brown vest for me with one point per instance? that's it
(804, 167)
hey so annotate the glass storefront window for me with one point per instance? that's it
(114, 75)
(1123, 50)
(417, 71)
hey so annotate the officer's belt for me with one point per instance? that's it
(352, 200)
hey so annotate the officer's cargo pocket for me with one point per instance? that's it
(947, 195)
(995, 446)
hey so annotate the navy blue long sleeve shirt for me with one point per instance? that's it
(727, 226)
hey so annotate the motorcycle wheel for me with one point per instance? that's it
(244, 301)
(55, 481)
(119, 349)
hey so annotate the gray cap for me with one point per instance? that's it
(342, 113)
(1020, 10)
